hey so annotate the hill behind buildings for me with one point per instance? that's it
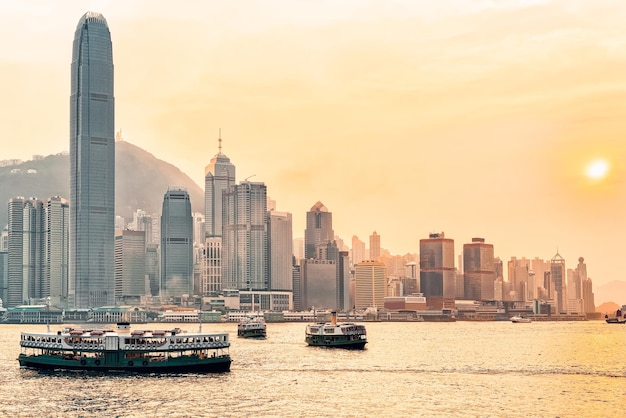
(141, 180)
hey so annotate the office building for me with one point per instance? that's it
(370, 280)
(319, 229)
(130, 266)
(375, 253)
(558, 277)
(176, 245)
(479, 272)
(26, 251)
(92, 166)
(219, 176)
(437, 272)
(244, 240)
(57, 235)
(280, 249)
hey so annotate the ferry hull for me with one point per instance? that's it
(178, 365)
(324, 341)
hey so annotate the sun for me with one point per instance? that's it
(597, 169)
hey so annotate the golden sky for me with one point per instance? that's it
(477, 118)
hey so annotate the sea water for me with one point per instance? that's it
(408, 369)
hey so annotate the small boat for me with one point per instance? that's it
(618, 318)
(334, 335)
(122, 350)
(252, 327)
(518, 319)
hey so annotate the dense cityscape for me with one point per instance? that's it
(74, 257)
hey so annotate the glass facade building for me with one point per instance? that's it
(319, 229)
(176, 244)
(92, 166)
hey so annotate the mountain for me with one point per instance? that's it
(614, 291)
(141, 180)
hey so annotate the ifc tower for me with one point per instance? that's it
(92, 166)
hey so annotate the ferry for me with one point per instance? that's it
(124, 350)
(519, 319)
(334, 335)
(252, 328)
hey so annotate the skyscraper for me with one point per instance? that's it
(57, 250)
(92, 166)
(244, 251)
(26, 251)
(374, 246)
(558, 277)
(370, 280)
(176, 244)
(437, 275)
(219, 175)
(280, 250)
(479, 270)
(319, 229)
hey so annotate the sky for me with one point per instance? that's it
(475, 118)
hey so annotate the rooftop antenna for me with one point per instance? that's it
(220, 142)
(246, 179)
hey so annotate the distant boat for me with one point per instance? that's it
(618, 319)
(334, 335)
(252, 328)
(518, 319)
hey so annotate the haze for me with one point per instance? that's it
(477, 118)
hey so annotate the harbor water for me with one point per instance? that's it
(408, 369)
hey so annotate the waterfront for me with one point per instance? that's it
(565, 369)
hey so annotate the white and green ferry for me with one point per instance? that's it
(252, 327)
(331, 334)
(124, 350)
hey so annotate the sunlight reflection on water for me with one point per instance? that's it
(408, 369)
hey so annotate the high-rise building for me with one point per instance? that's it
(130, 266)
(4, 274)
(479, 272)
(519, 276)
(57, 250)
(176, 244)
(92, 166)
(26, 255)
(375, 253)
(558, 277)
(219, 175)
(437, 272)
(244, 240)
(280, 249)
(370, 280)
(358, 250)
(319, 229)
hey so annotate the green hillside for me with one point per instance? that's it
(141, 180)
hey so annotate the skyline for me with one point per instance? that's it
(477, 119)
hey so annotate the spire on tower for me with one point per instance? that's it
(220, 143)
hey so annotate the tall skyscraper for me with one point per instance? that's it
(219, 175)
(92, 166)
(280, 248)
(244, 249)
(57, 250)
(437, 273)
(375, 246)
(479, 275)
(176, 244)
(558, 277)
(319, 229)
(26, 251)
